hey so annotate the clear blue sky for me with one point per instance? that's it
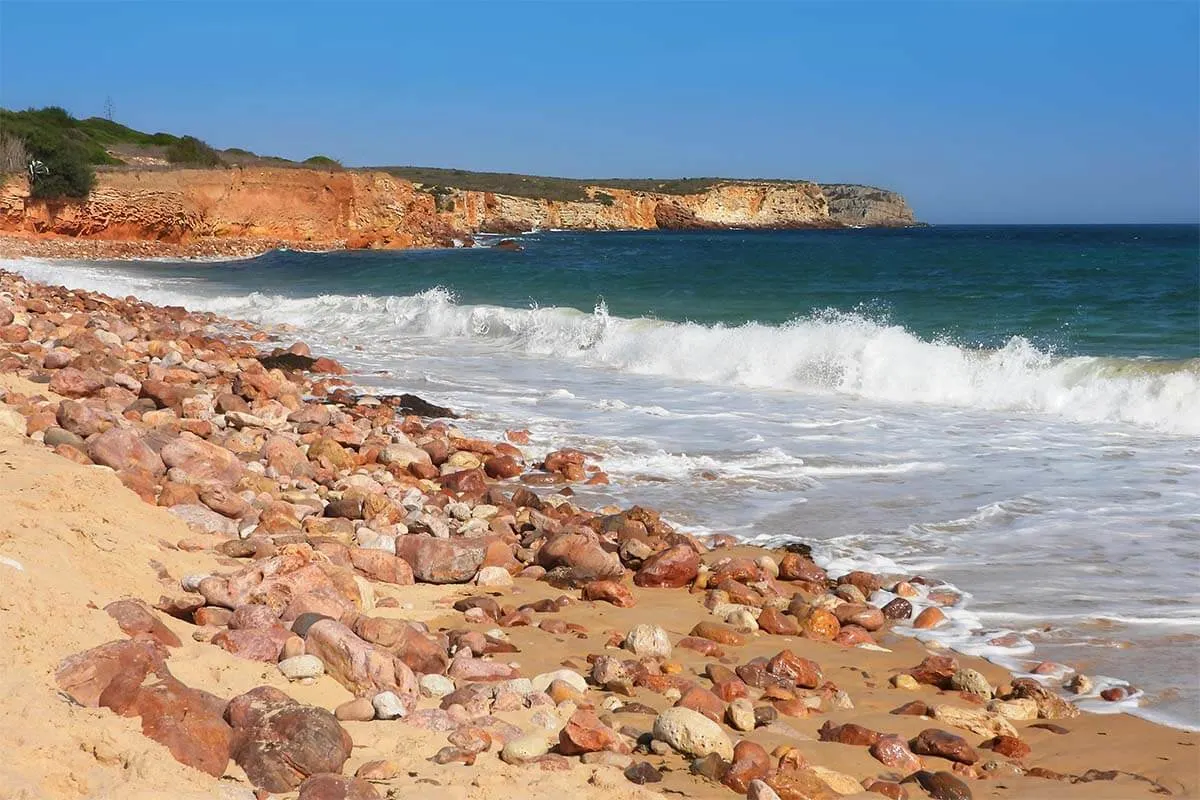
(977, 111)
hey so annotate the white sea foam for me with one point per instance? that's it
(825, 353)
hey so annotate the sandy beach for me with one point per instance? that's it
(248, 508)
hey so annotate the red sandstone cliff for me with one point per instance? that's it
(334, 209)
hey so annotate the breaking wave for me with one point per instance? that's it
(830, 352)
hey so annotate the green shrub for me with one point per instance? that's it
(193, 152)
(323, 161)
(604, 198)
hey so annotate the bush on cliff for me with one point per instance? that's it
(51, 136)
(193, 152)
(323, 161)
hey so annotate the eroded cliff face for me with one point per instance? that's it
(726, 205)
(320, 208)
(851, 204)
(333, 209)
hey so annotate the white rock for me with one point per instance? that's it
(768, 565)
(542, 682)
(388, 705)
(459, 511)
(493, 576)
(692, 733)
(840, 782)
(648, 641)
(13, 420)
(191, 583)
(742, 620)
(524, 748)
(436, 685)
(484, 511)
(300, 667)
(741, 714)
(521, 686)
(759, 790)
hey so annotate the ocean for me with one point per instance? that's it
(1012, 410)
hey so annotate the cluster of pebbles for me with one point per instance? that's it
(314, 499)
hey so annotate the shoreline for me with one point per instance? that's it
(862, 675)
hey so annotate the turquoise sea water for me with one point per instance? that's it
(1015, 410)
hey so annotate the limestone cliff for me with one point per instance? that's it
(851, 204)
(733, 204)
(361, 208)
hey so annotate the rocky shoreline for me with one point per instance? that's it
(349, 596)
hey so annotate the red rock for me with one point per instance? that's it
(382, 566)
(165, 395)
(252, 616)
(1008, 746)
(136, 619)
(176, 494)
(254, 644)
(913, 708)
(705, 647)
(774, 621)
(852, 636)
(750, 762)
(328, 786)
(943, 744)
(465, 668)
(800, 671)
(729, 690)
(716, 632)
(279, 743)
(501, 467)
(849, 733)
(466, 481)
(196, 462)
(821, 625)
(1114, 693)
(12, 334)
(931, 617)
(188, 722)
(865, 616)
(120, 448)
(71, 454)
(889, 789)
(897, 608)
(85, 676)
(587, 560)
(609, 591)
(943, 785)
(441, 560)
(703, 701)
(363, 668)
(71, 382)
(935, 671)
(225, 502)
(866, 582)
(892, 752)
(672, 568)
(585, 733)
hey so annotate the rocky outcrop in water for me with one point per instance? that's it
(851, 204)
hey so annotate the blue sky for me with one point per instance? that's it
(976, 111)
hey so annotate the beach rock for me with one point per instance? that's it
(609, 591)
(774, 621)
(889, 789)
(750, 763)
(699, 699)
(541, 683)
(976, 720)
(121, 449)
(692, 733)
(740, 715)
(300, 667)
(821, 625)
(279, 743)
(1008, 746)
(931, 617)
(136, 618)
(502, 467)
(840, 782)
(672, 568)
(760, 790)
(893, 752)
(642, 773)
(935, 671)
(74, 383)
(85, 676)
(364, 669)
(440, 560)
(898, 608)
(934, 742)
(648, 641)
(972, 681)
(389, 705)
(800, 784)
(802, 672)
(1021, 710)
(360, 709)
(794, 567)
(196, 462)
(943, 785)
(716, 632)
(586, 560)
(255, 644)
(848, 733)
(864, 616)
(905, 681)
(337, 787)
(493, 576)
(1049, 704)
(585, 733)
(525, 748)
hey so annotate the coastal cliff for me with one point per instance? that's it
(332, 209)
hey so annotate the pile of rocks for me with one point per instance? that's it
(313, 497)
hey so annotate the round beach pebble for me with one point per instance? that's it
(525, 748)
(298, 668)
(648, 641)
(436, 685)
(692, 733)
(388, 705)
